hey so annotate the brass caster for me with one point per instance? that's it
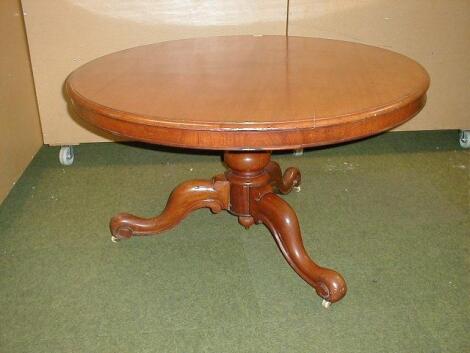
(296, 188)
(326, 304)
(115, 239)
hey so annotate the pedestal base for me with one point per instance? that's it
(247, 190)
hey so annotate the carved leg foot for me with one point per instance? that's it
(246, 221)
(281, 220)
(187, 197)
(286, 182)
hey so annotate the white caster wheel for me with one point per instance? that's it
(464, 139)
(66, 155)
(114, 239)
(296, 188)
(298, 152)
(326, 304)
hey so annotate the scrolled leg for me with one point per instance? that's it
(282, 221)
(186, 197)
(283, 182)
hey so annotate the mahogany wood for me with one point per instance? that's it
(284, 183)
(249, 92)
(281, 220)
(247, 96)
(246, 190)
(187, 197)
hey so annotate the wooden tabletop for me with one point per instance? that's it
(249, 92)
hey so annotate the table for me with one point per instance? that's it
(247, 96)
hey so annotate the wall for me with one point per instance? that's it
(436, 33)
(64, 34)
(20, 132)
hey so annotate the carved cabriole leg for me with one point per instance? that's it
(284, 183)
(281, 220)
(253, 177)
(245, 190)
(187, 197)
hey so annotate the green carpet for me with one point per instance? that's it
(391, 213)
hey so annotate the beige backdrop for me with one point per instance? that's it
(436, 33)
(64, 34)
(20, 132)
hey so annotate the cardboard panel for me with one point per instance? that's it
(433, 32)
(20, 131)
(67, 33)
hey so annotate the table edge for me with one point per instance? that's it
(311, 122)
(342, 130)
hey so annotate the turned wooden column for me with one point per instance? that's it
(247, 171)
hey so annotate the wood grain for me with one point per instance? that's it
(249, 92)
(187, 197)
(247, 191)
(281, 220)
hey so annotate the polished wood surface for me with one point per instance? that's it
(247, 191)
(187, 197)
(284, 183)
(248, 95)
(281, 220)
(249, 92)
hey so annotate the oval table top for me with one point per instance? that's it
(249, 92)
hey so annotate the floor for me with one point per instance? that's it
(391, 213)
